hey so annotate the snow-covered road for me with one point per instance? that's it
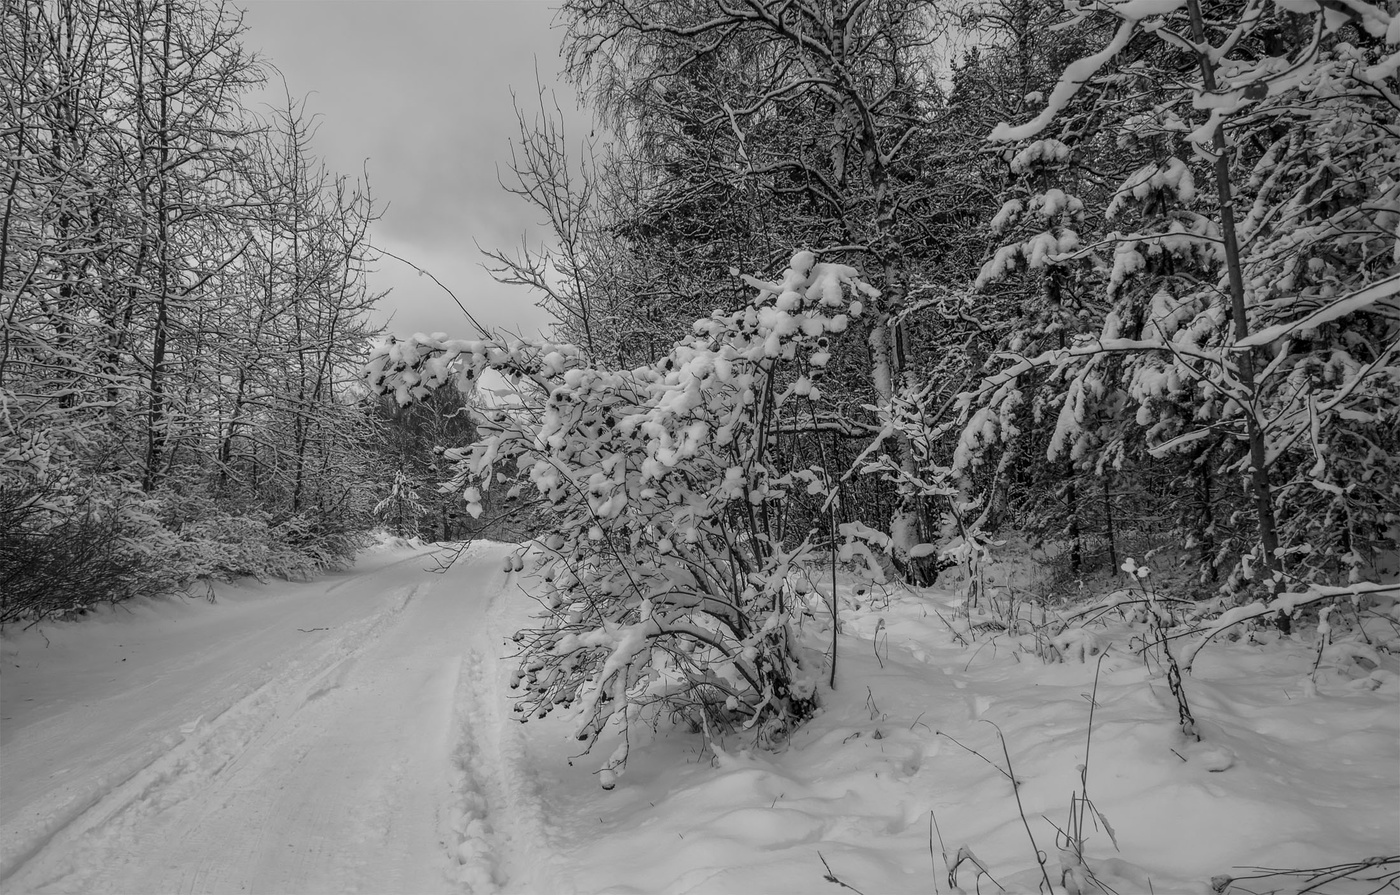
(352, 734)
(337, 736)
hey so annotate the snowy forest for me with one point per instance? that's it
(1083, 315)
(185, 315)
(1122, 278)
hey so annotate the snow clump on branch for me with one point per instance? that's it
(663, 582)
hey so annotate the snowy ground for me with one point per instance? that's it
(350, 735)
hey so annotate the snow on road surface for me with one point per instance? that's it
(353, 734)
(336, 736)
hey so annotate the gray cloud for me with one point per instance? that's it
(419, 95)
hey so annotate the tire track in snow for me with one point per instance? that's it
(382, 760)
(343, 801)
(352, 578)
(473, 846)
(500, 809)
(183, 765)
(503, 841)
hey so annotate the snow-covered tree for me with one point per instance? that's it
(1241, 276)
(182, 307)
(664, 571)
(401, 508)
(749, 128)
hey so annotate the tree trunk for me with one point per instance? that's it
(157, 423)
(1260, 482)
(1076, 534)
(1108, 523)
(1205, 517)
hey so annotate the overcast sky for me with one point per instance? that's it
(419, 93)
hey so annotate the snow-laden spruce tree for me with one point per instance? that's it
(663, 577)
(402, 508)
(1241, 278)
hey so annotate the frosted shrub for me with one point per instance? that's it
(66, 546)
(205, 539)
(661, 579)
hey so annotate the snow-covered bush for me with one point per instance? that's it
(224, 545)
(69, 541)
(227, 539)
(663, 575)
(66, 546)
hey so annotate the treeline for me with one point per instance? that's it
(185, 309)
(1097, 248)
(1120, 275)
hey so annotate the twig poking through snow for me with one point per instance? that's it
(1384, 869)
(978, 754)
(1016, 791)
(831, 877)
(932, 861)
